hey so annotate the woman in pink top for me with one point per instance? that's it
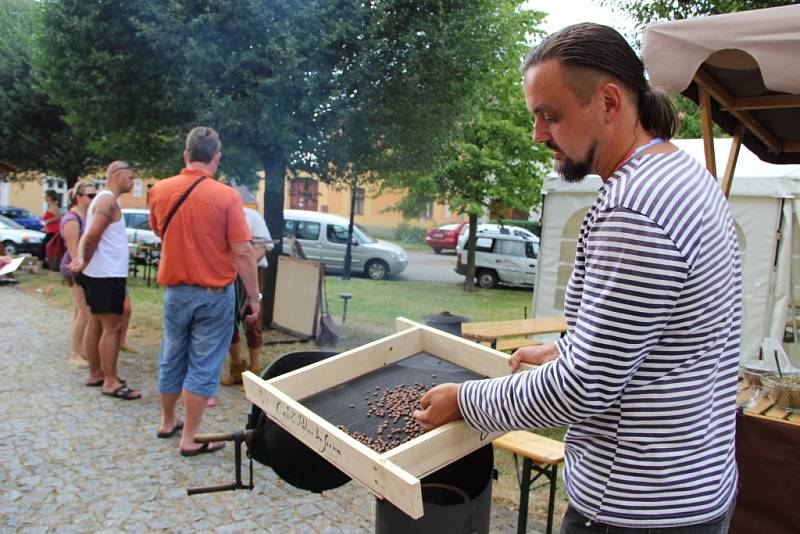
(72, 226)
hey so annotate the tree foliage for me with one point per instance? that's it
(492, 159)
(346, 90)
(34, 135)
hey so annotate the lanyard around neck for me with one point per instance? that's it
(638, 150)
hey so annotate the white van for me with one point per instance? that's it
(323, 237)
(137, 227)
(501, 258)
(497, 229)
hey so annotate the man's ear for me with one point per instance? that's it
(611, 96)
(185, 157)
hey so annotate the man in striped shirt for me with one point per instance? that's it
(646, 375)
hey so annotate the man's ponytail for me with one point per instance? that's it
(657, 114)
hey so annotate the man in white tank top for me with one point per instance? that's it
(103, 266)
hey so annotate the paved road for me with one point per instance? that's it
(425, 266)
(72, 460)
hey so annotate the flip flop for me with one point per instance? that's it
(123, 392)
(205, 448)
(98, 383)
(178, 426)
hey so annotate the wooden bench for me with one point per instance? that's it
(494, 331)
(539, 454)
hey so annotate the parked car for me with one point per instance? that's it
(323, 237)
(501, 258)
(16, 239)
(496, 228)
(22, 216)
(137, 227)
(444, 236)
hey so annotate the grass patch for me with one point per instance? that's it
(371, 314)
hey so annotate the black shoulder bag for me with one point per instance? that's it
(178, 205)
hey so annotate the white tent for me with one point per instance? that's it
(765, 201)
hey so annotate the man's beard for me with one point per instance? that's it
(571, 170)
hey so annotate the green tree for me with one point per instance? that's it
(34, 134)
(492, 160)
(339, 88)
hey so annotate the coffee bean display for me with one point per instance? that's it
(393, 412)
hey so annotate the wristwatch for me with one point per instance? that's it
(254, 299)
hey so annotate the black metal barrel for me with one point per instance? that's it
(446, 322)
(457, 499)
(291, 460)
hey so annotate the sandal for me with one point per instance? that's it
(98, 383)
(123, 392)
(178, 426)
(205, 448)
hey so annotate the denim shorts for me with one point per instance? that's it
(198, 324)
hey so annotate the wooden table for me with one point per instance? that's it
(767, 441)
(491, 331)
(766, 410)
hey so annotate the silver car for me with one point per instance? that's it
(323, 237)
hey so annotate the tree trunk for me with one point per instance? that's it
(469, 280)
(274, 179)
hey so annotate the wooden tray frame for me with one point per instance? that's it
(395, 474)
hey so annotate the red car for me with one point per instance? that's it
(445, 236)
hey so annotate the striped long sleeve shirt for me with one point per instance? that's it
(646, 375)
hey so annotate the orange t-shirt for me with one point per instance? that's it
(196, 250)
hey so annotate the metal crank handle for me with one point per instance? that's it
(211, 489)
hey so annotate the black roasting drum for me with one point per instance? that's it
(291, 460)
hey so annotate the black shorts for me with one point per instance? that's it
(104, 295)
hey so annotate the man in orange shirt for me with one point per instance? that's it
(205, 241)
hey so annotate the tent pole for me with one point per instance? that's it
(707, 124)
(733, 157)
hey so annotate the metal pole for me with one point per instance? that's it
(348, 256)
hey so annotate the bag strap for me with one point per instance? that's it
(178, 205)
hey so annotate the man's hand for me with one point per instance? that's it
(253, 308)
(535, 355)
(439, 406)
(77, 265)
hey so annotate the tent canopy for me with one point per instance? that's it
(741, 68)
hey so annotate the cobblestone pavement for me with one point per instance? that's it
(72, 460)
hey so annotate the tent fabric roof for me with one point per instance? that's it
(747, 61)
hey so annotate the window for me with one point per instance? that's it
(337, 234)
(482, 244)
(307, 230)
(358, 204)
(531, 250)
(288, 226)
(428, 211)
(509, 248)
(141, 221)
